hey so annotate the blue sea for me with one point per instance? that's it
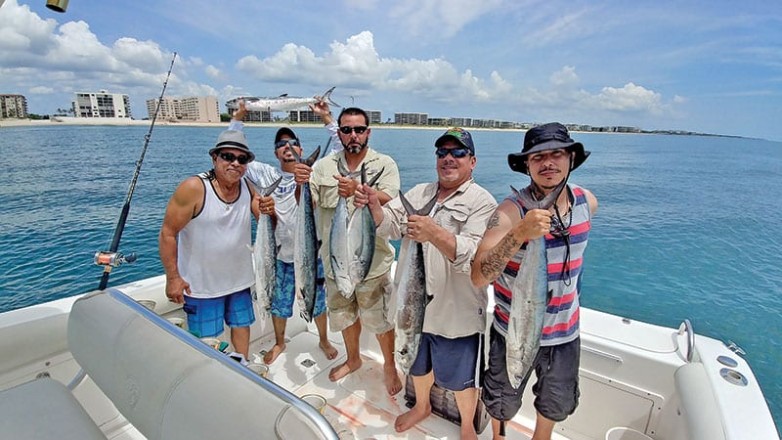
(688, 226)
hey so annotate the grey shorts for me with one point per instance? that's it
(556, 390)
(370, 303)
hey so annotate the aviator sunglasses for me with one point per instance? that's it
(284, 142)
(230, 157)
(359, 129)
(457, 153)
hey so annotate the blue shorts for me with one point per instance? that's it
(556, 390)
(456, 363)
(285, 291)
(205, 316)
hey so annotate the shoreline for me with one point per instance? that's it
(124, 122)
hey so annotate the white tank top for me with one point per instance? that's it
(213, 249)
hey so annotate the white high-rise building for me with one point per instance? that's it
(101, 105)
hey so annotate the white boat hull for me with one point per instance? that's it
(634, 376)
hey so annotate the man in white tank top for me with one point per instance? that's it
(204, 244)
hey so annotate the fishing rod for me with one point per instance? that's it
(111, 258)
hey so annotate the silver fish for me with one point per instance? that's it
(412, 297)
(361, 236)
(284, 103)
(529, 297)
(265, 253)
(306, 244)
(339, 249)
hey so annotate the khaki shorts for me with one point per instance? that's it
(370, 303)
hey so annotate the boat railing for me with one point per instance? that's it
(686, 327)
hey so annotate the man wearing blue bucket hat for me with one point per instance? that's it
(561, 213)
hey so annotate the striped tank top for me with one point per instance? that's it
(561, 323)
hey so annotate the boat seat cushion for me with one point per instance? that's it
(44, 409)
(699, 406)
(164, 381)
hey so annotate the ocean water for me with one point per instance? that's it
(688, 226)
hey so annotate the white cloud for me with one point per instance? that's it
(213, 71)
(446, 17)
(357, 64)
(41, 90)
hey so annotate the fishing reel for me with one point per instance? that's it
(113, 259)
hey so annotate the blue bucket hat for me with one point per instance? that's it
(551, 136)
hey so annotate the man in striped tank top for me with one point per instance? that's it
(548, 156)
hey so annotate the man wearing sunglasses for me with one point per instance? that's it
(450, 352)
(368, 306)
(203, 244)
(547, 157)
(284, 212)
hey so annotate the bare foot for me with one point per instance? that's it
(272, 354)
(411, 418)
(391, 378)
(328, 350)
(343, 370)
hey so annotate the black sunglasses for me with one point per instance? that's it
(230, 157)
(359, 129)
(457, 153)
(284, 142)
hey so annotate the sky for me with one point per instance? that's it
(707, 66)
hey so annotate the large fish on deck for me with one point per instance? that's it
(284, 103)
(529, 297)
(306, 244)
(265, 253)
(412, 298)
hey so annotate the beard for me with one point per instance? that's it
(355, 147)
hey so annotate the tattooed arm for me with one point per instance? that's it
(505, 232)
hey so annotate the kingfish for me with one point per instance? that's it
(306, 244)
(361, 236)
(265, 253)
(285, 103)
(411, 294)
(339, 249)
(529, 297)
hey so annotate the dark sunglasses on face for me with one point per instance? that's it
(284, 142)
(230, 157)
(457, 153)
(360, 129)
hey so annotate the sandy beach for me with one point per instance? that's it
(128, 122)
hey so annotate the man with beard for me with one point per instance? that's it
(368, 306)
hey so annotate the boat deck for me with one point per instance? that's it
(358, 405)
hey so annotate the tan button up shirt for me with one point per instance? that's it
(457, 308)
(325, 194)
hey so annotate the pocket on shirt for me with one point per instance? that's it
(455, 217)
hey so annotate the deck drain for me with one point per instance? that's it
(308, 362)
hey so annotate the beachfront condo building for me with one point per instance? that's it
(190, 109)
(101, 105)
(13, 106)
